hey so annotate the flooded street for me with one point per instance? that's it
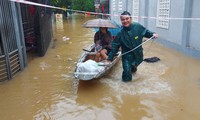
(44, 90)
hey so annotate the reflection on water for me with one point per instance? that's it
(46, 89)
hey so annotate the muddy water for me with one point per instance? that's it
(165, 90)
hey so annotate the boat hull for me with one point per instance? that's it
(89, 55)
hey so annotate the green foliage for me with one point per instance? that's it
(61, 3)
(83, 5)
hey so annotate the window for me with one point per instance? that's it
(135, 10)
(120, 6)
(113, 5)
(163, 14)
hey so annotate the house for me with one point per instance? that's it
(176, 22)
(22, 27)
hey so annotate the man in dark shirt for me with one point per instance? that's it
(128, 38)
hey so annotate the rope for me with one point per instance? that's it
(137, 46)
(148, 48)
(94, 13)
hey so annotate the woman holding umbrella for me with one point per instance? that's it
(102, 40)
(103, 37)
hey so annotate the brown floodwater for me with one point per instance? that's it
(45, 89)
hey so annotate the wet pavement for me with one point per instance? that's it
(165, 90)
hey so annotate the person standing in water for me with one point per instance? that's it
(128, 38)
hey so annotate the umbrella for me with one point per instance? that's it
(113, 31)
(96, 23)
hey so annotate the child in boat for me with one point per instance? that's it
(102, 40)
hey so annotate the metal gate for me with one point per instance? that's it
(44, 30)
(12, 47)
(37, 26)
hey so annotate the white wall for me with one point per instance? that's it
(194, 37)
(182, 35)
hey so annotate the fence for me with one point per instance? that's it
(12, 52)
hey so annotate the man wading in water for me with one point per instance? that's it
(128, 38)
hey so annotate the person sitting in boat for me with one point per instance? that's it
(102, 40)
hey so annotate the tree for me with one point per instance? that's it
(61, 3)
(83, 5)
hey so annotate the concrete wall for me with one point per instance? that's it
(194, 39)
(181, 35)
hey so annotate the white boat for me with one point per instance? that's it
(92, 69)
